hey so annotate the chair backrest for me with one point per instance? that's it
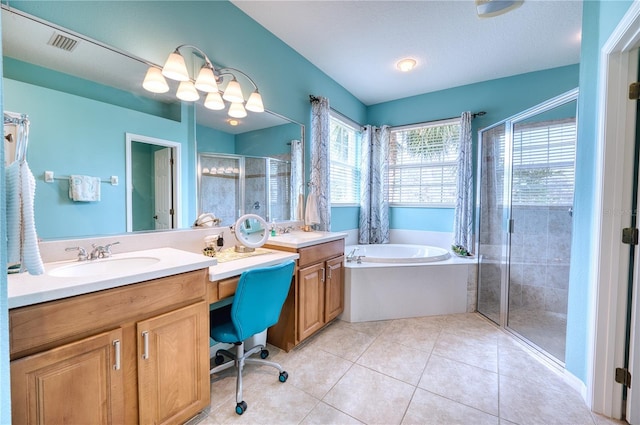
(259, 298)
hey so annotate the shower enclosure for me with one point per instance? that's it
(233, 185)
(525, 203)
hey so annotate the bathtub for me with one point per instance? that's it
(395, 281)
(398, 253)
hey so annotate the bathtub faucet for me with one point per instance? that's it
(352, 255)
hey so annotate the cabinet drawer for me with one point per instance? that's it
(42, 326)
(321, 252)
(227, 287)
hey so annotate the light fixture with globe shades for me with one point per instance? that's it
(208, 81)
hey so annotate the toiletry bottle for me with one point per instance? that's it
(273, 227)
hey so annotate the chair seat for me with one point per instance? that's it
(225, 332)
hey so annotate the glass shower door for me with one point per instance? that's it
(492, 235)
(525, 197)
(542, 186)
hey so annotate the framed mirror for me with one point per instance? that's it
(82, 103)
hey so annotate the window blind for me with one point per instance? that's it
(544, 163)
(344, 159)
(423, 163)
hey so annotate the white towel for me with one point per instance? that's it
(84, 188)
(30, 251)
(22, 239)
(311, 215)
(14, 223)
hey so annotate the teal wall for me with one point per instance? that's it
(599, 19)
(273, 141)
(211, 140)
(286, 79)
(87, 137)
(499, 98)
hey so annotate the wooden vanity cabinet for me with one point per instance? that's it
(134, 354)
(316, 297)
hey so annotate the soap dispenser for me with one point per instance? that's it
(273, 227)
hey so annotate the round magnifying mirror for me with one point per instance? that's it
(251, 232)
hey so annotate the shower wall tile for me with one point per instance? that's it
(560, 221)
(558, 276)
(556, 300)
(515, 295)
(534, 274)
(536, 221)
(559, 248)
(533, 297)
(516, 273)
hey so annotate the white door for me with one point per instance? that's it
(163, 189)
(633, 392)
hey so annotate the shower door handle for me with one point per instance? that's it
(510, 226)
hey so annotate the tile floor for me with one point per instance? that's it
(455, 369)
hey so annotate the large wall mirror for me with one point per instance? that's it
(83, 97)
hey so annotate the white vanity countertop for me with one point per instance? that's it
(25, 289)
(299, 239)
(236, 267)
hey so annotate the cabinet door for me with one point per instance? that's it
(173, 365)
(334, 289)
(77, 383)
(310, 300)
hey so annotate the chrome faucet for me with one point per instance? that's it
(101, 251)
(352, 255)
(286, 229)
(82, 253)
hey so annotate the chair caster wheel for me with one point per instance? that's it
(241, 407)
(218, 360)
(264, 354)
(283, 376)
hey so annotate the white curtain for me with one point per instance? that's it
(297, 181)
(463, 218)
(374, 202)
(318, 209)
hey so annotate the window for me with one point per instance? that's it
(423, 164)
(543, 163)
(345, 157)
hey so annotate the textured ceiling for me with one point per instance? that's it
(357, 42)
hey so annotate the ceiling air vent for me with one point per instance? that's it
(63, 42)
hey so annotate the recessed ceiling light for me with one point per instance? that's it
(406, 65)
(233, 122)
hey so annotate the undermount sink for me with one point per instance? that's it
(103, 266)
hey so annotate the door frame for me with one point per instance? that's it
(615, 139)
(177, 187)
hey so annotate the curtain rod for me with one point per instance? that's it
(473, 115)
(313, 98)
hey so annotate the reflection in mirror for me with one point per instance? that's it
(82, 103)
(251, 232)
(258, 170)
(153, 183)
(233, 185)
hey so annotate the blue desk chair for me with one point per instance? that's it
(256, 306)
